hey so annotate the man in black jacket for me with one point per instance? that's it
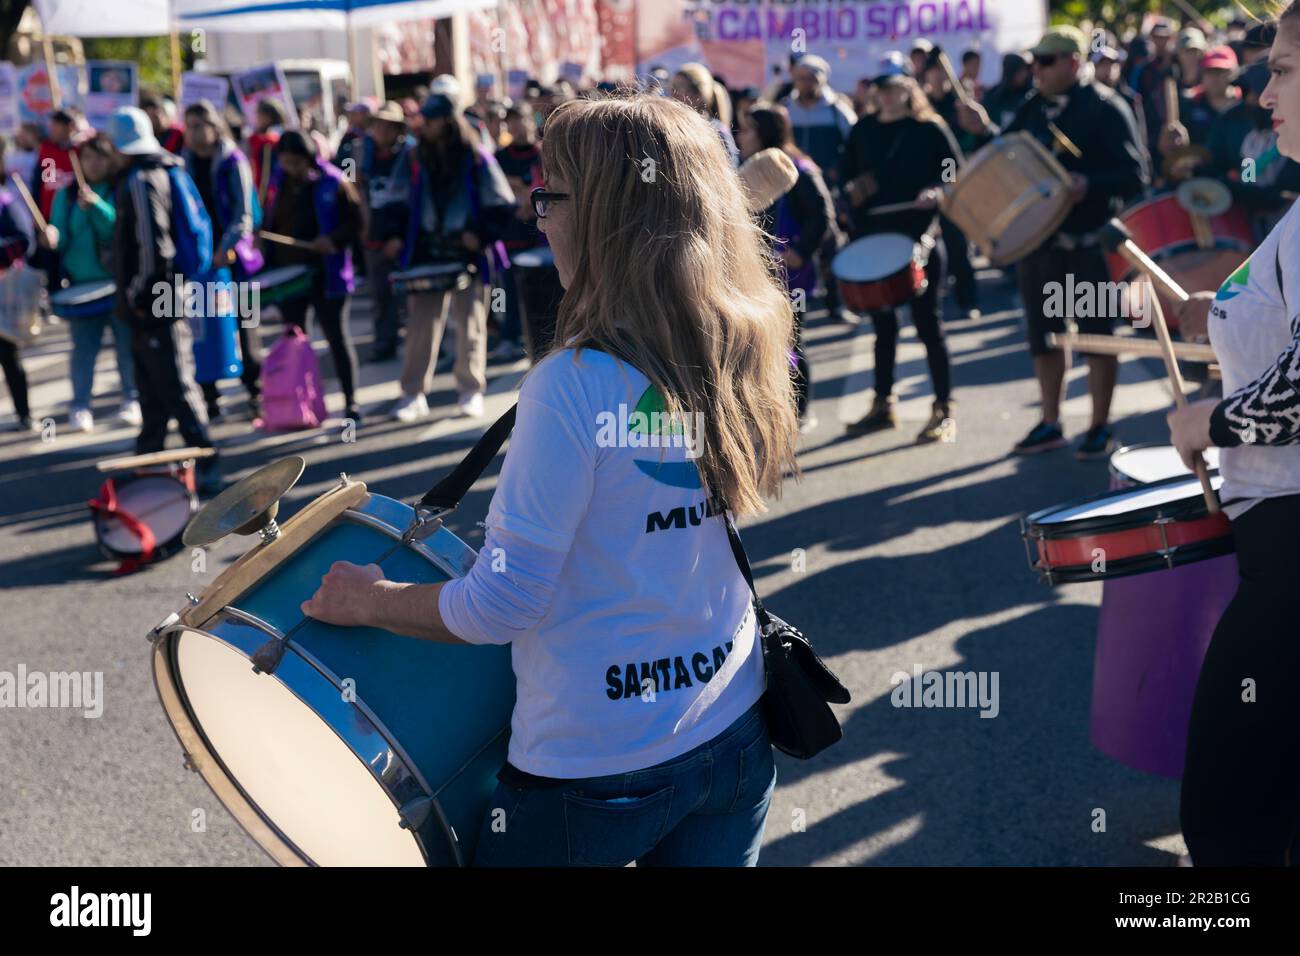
(162, 343)
(1066, 115)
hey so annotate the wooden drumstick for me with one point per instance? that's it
(1180, 399)
(1127, 345)
(76, 169)
(285, 240)
(893, 207)
(32, 208)
(1115, 238)
(958, 87)
(767, 176)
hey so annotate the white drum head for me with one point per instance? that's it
(1145, 465)
(537, 258)
(83, 292)
(274, 277)
(159, 501)
(1127, 502)
(873, 257)
(289, 762)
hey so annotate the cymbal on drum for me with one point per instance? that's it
(1202, 196)
(246, 507)
(167, 457)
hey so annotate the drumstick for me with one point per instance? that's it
(1065, 141)
(1127, 345)
(76, 169)
(1180, 399)
(957, 86)
(32, 208)
(1115, 238)
(285, 240)
(893, 207)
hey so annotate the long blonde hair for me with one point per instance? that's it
(673, 275)
(716, 101)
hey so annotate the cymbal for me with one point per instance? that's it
(247, 506)
(1203, 196)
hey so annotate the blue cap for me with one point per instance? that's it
(131, 133)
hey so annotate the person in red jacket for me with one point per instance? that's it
(162, 116)
(53, 168)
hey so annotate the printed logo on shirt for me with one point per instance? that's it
(683, 516)
(650, 417)
(1235, 284)
(624, 681)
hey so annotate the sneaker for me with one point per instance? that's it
(1097, 442)
(471, 406)
(81, 420)
(880, 417)
(1042, 437)
(411, 408)
(129, 414)
(934, 428)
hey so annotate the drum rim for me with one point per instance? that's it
(1182, 509)
(108, 285)
(161, 550)
(888, 276)
(1141, 446)
(299, 270)
(442, 551)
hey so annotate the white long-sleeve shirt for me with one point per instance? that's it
(611, 575)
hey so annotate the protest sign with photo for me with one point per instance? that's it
(203, 86)
(109, 84)
(264, 83)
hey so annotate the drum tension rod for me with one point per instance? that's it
(425, 523)
(1165, 551)
(155, 632)
(267, 657)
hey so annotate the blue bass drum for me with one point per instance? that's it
(347, 746)
(216, 333)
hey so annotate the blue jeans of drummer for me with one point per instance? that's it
(87, 338)
(704, 808)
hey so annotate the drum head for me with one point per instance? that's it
(83, 292)
(430, 269)
(1117, 509)
(873, 257)
(279, 750)
(1147, 464)
(159, 501)
(539, 258)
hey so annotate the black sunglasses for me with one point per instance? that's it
(1044, 59)
(542, 199)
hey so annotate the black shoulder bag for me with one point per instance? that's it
(800, 687)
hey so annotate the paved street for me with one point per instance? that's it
(886, 554)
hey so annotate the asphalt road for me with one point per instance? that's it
(888, 555)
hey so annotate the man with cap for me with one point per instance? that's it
(1111, 169)
(821, 120)
(1148, 81)
(225, 183)
(161, 341)
(1199, 106)
(1191, 47)
(385, 186)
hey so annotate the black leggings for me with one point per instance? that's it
(929, 328)
(333, 317)
(15, 376)
(1241, 785)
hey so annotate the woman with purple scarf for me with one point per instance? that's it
(309, 199)
(802, 221)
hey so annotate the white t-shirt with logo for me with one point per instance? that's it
(1254, 326)
(610, 573)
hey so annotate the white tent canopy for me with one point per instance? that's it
(88, 18)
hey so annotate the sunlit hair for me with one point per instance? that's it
(716, 101)
(672, 274)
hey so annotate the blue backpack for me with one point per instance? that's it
(191, 227)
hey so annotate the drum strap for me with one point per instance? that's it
(107, 504)
(448, 492)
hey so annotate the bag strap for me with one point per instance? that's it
(742, 561)
(447, 493)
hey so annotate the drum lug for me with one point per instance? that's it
(425, 524)
(415, 813)
(189, 763)
(1165, 551)
(155, 632)
(267, 657)
(1025, 534)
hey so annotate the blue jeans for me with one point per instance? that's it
(87, 337)
(704, 808)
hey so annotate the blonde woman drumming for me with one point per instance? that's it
(622, 598)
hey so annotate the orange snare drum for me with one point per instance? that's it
(1195, 234)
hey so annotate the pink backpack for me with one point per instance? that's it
(292, 394)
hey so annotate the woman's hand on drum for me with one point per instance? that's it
(1189, 430)
(347, 595)
(1194, 316)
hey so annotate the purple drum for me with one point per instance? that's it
(1152, 634)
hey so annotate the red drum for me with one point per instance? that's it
(880, 272)
(1198, 250)
(1132, 531)
(140, 513)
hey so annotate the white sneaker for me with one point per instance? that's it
(81, 420)
(471, 406)
(129, 414)
(411, 408)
